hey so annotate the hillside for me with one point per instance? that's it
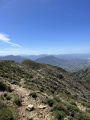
(34, 91)
(51, 60)
(69, 64)
(84, 77)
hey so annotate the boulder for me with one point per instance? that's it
(14, 82)
(30, 107)
(41, 106)
(29, 118)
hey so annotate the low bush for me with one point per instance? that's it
(8, 97)
(52, 91)
(72, 109)
(59, 115)
(57, 99)
(1, 97)
(2, 104)
(41, 89)
(5, 95)
(33, 95)
(6, 112)
(50, 102)
(3, 86)
(73, 103)
(60, 107)
(84, 116)
(18, 101)
(9, 89)
(86, 104)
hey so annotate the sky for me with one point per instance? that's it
(44, 27)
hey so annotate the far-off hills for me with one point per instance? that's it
(69, 62)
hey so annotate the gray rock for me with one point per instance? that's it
(29, 118)
(14, 82)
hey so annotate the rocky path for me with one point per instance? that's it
(40, 111)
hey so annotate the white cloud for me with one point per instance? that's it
(5, 38)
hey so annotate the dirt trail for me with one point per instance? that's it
(37, 113)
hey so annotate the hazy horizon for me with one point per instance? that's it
(45, 54)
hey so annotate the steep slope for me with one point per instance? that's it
(52, 91)
(84, 77)
(50, 77)
(37, 76)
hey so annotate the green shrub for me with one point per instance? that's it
(2, 105)
(9, 88)
(1, 97)
(60, 107)
(8, 97)
(59, 115)
(33, 94)
(83, 116)
(5, 95)
(73, 103)
(52, 91)
(86, 104)
(57, 99)
(3, 86)
(72, 109)
(6, 114)
(50, 102)
(18, 101)
(41, 89)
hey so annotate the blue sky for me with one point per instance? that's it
(44, 26)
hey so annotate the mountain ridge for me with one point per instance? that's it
(70, 64)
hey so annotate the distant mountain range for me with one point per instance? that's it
(70, 62)
(51, 60)
(12, 57)
(34, 57)
(60, 56)
(71, 65)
